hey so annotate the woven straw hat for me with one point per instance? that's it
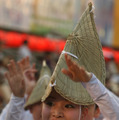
(83, 46)
(40, 87)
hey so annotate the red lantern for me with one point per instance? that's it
(116, 56)
(13, 39)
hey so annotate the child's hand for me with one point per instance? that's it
(75, 72)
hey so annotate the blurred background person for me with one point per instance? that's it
(24, 51)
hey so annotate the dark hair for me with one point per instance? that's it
(25, 42)
(96, 106)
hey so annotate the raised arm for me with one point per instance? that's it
(109, 105)
(18, 75)
(75, 72)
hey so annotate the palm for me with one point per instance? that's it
(16, 79)
(75, 72)
(29, 72)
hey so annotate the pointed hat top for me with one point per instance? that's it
(84, 47)
(40, 87)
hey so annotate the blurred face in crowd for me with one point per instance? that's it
(36, 111)
(57, 108)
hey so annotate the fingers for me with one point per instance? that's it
(68, 73)
(20, 68)
(75, 72)
(30, 74)
(15, 79)
(21, 64)
(34, 66)
(24, 63)
(68, 60)
(31, 71)
(27, 71)
(8, 77)
(75, 68)
(27, 62)
(23, 83)
(12, 68)
(71, 64)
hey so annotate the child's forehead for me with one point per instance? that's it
(58, 99)
(54, 96)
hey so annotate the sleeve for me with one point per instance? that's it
(107, 102)
(4, 112)
(14, 110)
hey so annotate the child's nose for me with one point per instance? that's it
(57, 113)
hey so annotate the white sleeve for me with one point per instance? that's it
(4, 112)
(107, 102)
(14, 110)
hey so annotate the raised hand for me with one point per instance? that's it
(76, 72)
(21, 77)
(29, 71)
(16, 79)
(29, 74)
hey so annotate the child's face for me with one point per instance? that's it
(58, 108)
(36, 111)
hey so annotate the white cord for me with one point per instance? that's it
(63, 52)
(92, 9)
(79, 112)
(54, 84)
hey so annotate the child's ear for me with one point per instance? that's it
(84, 112)
(97, 112)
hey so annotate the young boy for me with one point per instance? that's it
(74, 96)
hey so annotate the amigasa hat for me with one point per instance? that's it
(84, 47)
(40, 87)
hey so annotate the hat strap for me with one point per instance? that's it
(79, 112)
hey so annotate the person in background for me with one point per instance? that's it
(24, 51)
(33, 103)
(20, 88)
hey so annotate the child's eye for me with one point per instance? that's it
(49, 103)
(69, 106)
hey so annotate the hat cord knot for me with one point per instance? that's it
(73, 36)
(53, 84)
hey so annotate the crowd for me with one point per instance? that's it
(74, 91)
